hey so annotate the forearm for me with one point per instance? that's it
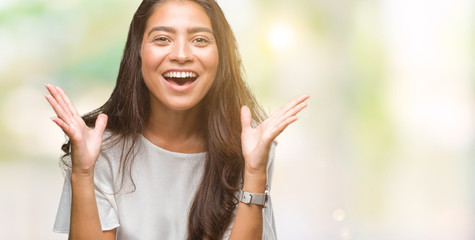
(85, 223)
(248, 221)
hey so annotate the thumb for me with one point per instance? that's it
(101, 123)
(245, 117)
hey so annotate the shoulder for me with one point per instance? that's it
(113, 148)
(114, 144)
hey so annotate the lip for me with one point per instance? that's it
(180, 88)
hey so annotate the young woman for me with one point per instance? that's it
(181, 146)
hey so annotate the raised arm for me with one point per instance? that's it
(256, 143)
(85, 147)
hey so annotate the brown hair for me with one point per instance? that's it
(128, 110)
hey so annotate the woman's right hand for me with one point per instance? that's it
(85, 142)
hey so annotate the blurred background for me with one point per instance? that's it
(385, 149)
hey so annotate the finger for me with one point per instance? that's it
(101, 123)
(68, 101)
(245, 118)
(277, 119)
(275, 130)
(65, 105)
(65, 127)
(293, 111)
(59, 99)
(283, 125)
(56, 107)
(292, 103)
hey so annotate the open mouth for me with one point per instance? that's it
(180, 78)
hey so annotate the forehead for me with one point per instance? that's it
(179, 14)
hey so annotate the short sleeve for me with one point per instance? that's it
(269, 231)
(104, 191)
(268, 224)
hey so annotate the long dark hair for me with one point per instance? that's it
(128, 110)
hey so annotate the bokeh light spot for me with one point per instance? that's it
(280, 36)
(339, 215)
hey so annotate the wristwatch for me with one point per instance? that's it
(254, 198)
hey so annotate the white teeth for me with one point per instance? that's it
(180, 74)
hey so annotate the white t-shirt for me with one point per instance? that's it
(158, 208)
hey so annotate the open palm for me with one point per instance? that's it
(256, 142)
(85, 142)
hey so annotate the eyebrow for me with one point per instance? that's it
(200, 29)
(172, 30)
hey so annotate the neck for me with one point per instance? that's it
(175, 130)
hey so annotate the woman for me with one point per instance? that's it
(175, 152)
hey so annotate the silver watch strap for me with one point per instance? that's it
(254, 198)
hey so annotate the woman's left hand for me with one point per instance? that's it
(256, 142)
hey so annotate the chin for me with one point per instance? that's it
(181, 105)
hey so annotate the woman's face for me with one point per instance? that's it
(179, 55)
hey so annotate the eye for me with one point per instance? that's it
(201, 41)
(161, 40)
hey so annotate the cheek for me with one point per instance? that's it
(212, 61)
(151, 58)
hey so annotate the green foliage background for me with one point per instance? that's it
(384, 151)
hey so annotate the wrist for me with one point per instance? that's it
(82, 170)
(255, 170)
(260, 199)
(81, 175)
(254, 182)
(256, 165)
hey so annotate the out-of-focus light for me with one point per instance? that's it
(339, 215)
(345, 233)
(280, 36)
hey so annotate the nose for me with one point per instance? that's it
(181, 51)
